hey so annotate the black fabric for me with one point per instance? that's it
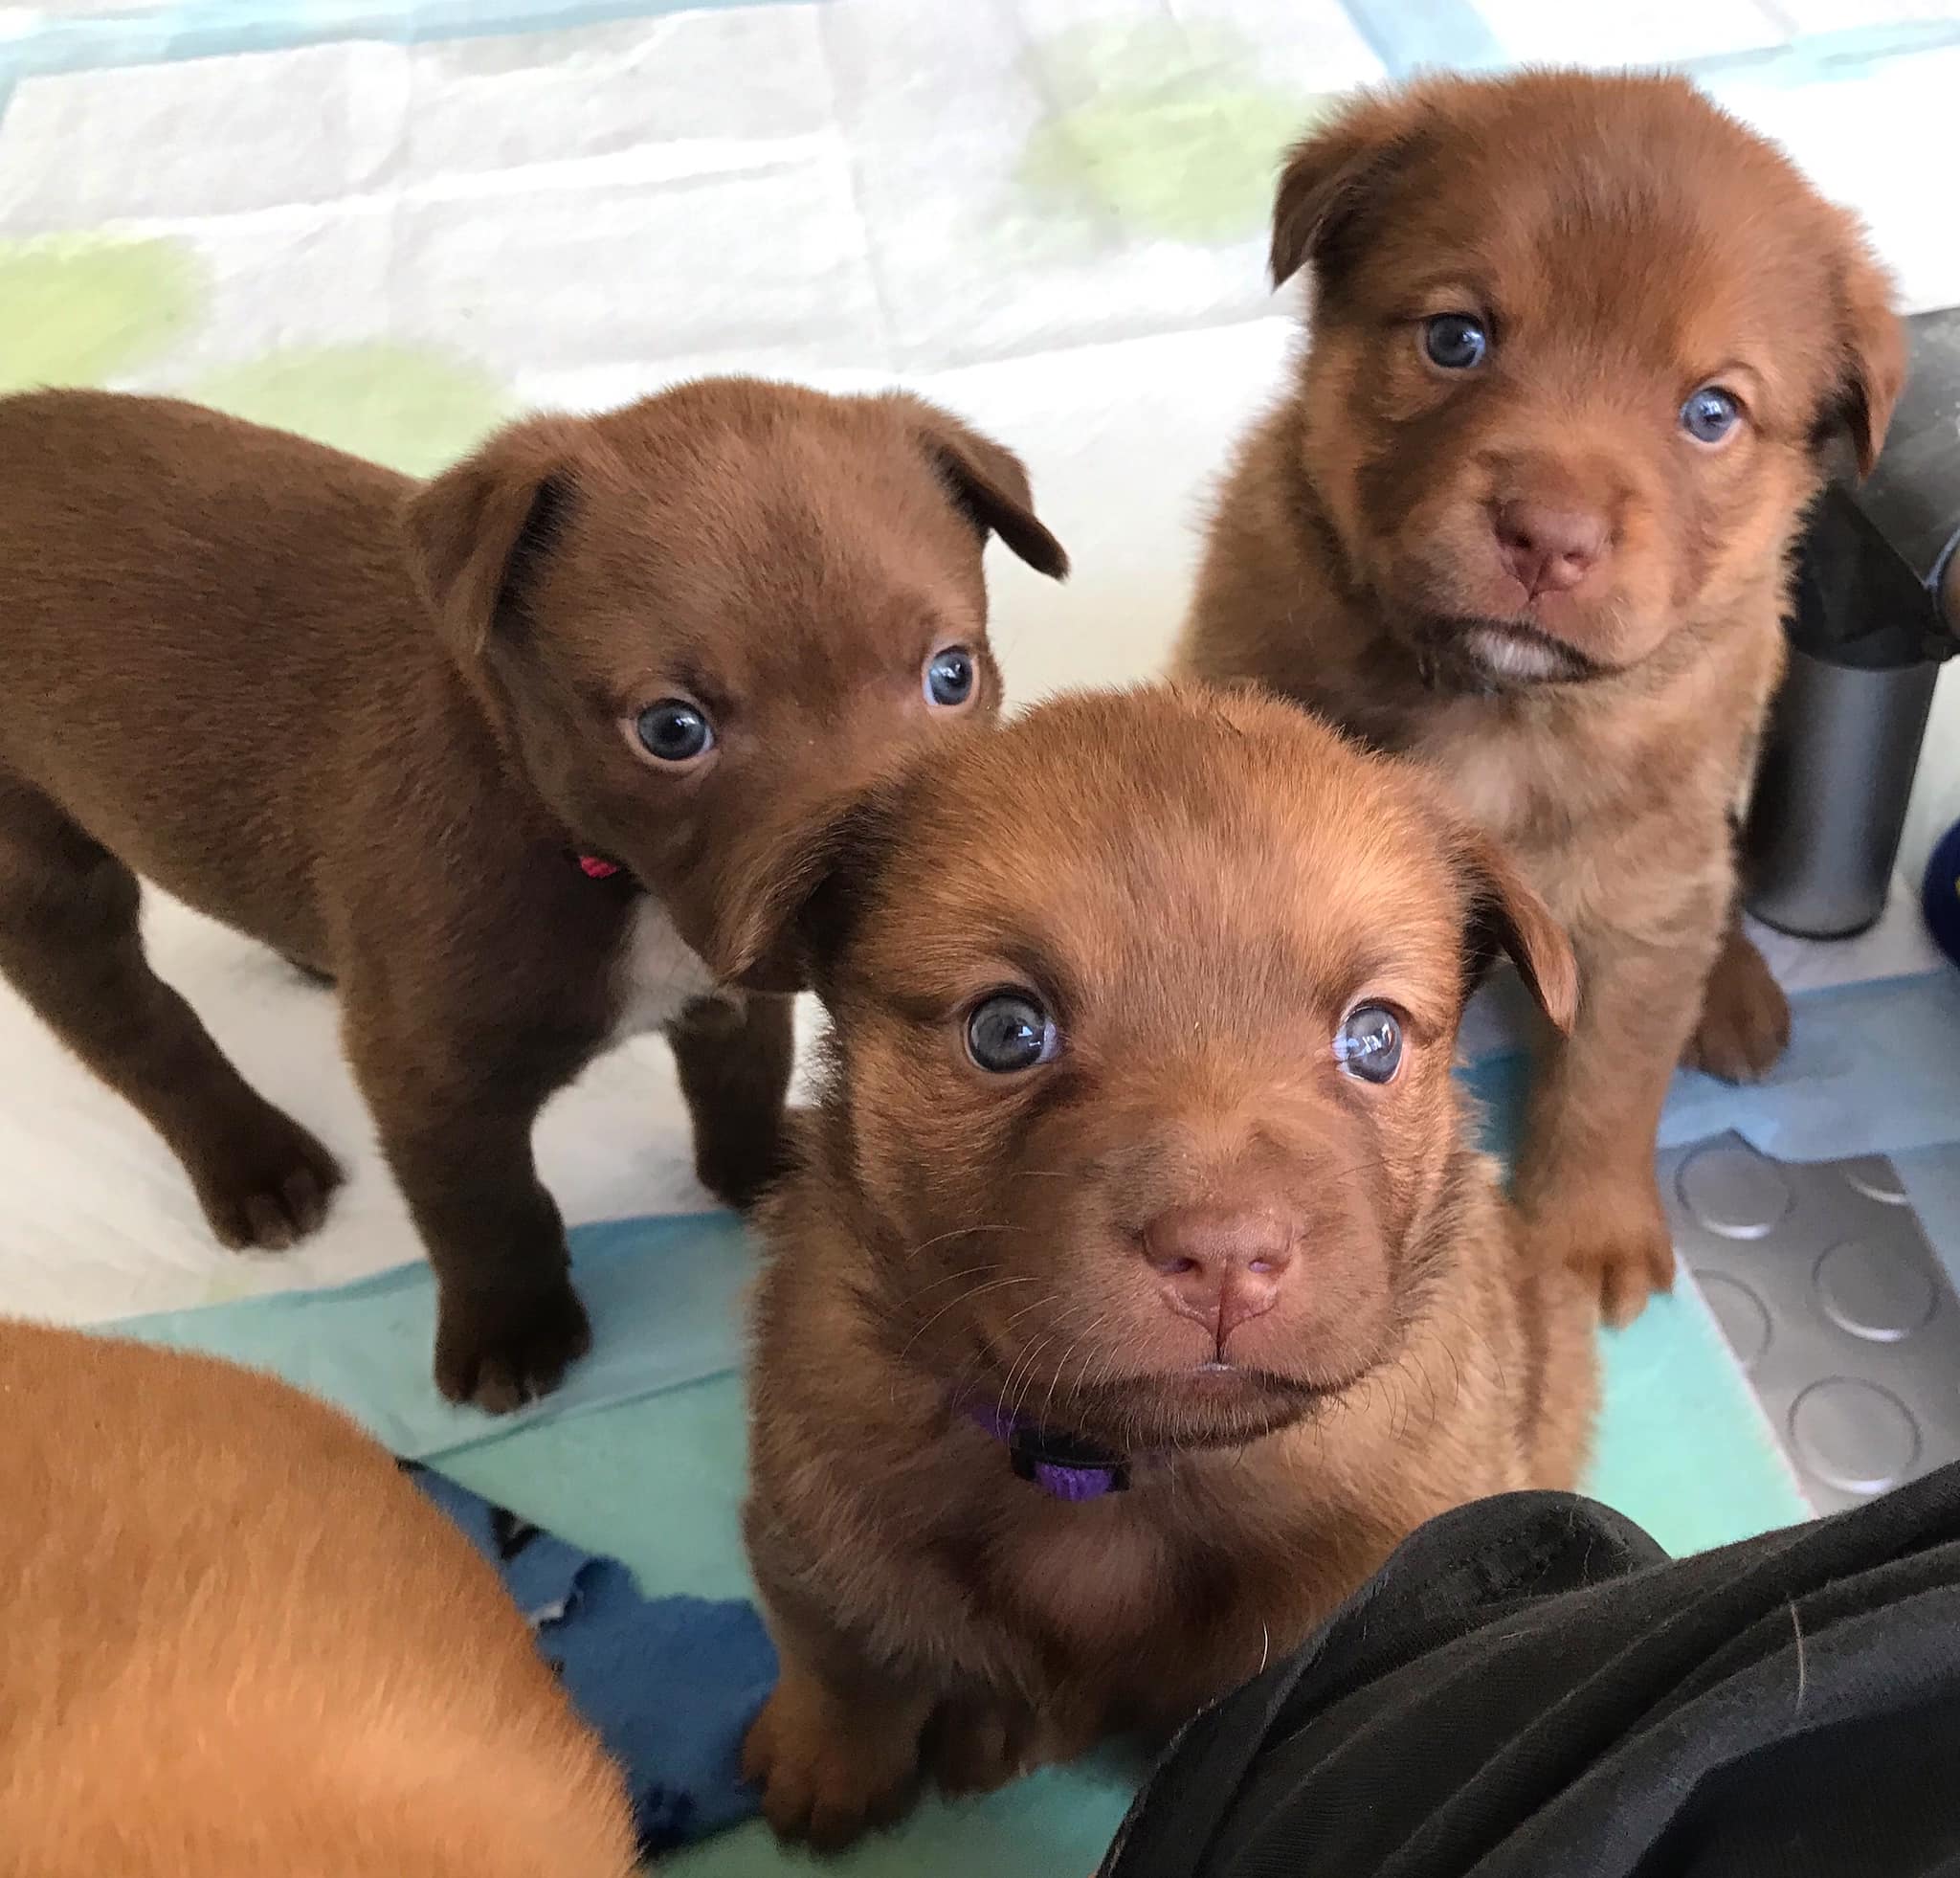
(1530, 1688)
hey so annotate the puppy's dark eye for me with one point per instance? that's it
(1011, 1032)
(674, 731)
(1369, 1044)
(1711, 415)
(950, 676)
(1455, 341)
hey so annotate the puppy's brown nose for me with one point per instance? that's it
(1548, 549)
(1221, 1267)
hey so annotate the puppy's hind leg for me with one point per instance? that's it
(70, 946)
(1745, 1024)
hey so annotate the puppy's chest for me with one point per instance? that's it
(1515, 783)
(1106, 1581)
(654, 975)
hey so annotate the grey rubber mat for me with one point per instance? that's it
(1835, 1304)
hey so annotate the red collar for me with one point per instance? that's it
(596, 868)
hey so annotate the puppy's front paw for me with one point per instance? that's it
(499, 1353)
(738, 1170)
(824, 1780)
(1745, 1022)
(262, 1180)
(1616, 1241)
(979, 1746)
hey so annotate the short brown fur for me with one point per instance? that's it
(1624, 244)
(1200, 887)
(370, 722)
(239, 1642)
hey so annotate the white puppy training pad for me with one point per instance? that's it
(98, 1220)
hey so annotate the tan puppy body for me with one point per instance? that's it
(1579, 344)
(377, 723)
(1291, 1299)
(239, 1642)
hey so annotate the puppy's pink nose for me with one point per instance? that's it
(1547, 550)
(1221, 1267)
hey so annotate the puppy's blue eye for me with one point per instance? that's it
(1711, 415)
(1011, 1032)
(1369, 1044)
(1455, 341)
(675, 731)
(950, 676)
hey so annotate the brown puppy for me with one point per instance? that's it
(1139, 1174)
(1578, 343)
(238, 1642)
(395, 731)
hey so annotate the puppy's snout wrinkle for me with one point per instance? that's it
(1221, 1267)
(1549, 548)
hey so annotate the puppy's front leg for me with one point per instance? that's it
(734, 1061)
(1585, 1177)
(836, 1750)
(455, 1126)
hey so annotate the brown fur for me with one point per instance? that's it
(1200, 887)
(238, 1642)
(1625, 243)
(369, 722)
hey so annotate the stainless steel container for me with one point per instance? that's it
(1843, 744)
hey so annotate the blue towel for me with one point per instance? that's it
(670, 1684)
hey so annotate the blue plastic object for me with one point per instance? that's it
(1941, 895)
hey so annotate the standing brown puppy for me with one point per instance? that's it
(1578, 346)
(240, 1643)
(1141, 1289)
(525, 759)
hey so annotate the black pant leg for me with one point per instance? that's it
(1529, 1689)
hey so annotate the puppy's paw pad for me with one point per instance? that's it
(818, 1789)
(1745, 1024)
(269, 1186)
(501, 1359)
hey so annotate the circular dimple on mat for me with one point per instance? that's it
(1853, 1435)
(1874, 1291)
(1732, 1190)
(1740, 1312)
(1875, 1178)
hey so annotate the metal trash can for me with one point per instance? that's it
(1842, 748)
(1866, 641)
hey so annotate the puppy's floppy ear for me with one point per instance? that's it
(1330, 174)
(989, 483)
(479, 530)
(1872, 346)
(1506, 914)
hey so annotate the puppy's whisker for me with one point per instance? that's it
(957, 1232)
(966, 1297)
(1028, 1378)
(1014, 1369)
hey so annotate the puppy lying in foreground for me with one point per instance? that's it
(1578, 347)
(1140, 1288)
(525, 759)
(239, 1644)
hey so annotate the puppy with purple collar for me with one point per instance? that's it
(1139, 1286)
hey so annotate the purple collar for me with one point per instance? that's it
(1062, 1466)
